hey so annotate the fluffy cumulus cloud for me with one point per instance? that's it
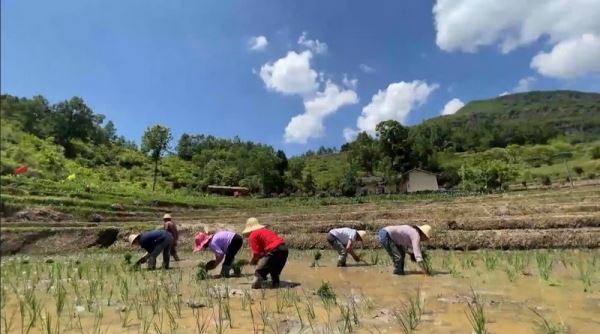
(467, 25)
(571, 58)
(395, 102)
(258, 43)
(310, 124)
(291, 74)
(312, 44)
(452, 106)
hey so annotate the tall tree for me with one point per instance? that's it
(394, 144)
(155, 143)
(364, 152)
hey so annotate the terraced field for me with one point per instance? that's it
(37, 220)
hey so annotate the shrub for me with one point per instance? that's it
(578, 170)
(595, 152)
(546, 180)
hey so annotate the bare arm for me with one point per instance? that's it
(255, 259)
(143, 259)
(218, 259)
(350, 250)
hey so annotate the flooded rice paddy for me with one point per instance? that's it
(493, 291)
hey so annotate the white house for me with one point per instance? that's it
(418, 180)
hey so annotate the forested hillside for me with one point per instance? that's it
(520, 138)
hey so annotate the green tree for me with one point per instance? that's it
(364, 152)
(309, 184)
(349, 184)
(155, 143)
(394, 143)
(185, 148)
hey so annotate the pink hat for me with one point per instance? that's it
(201, 240)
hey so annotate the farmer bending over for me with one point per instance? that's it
(170, 227)
(224, 244)
(154, 242)
(400, 239)
(343, 240)
(268, 251)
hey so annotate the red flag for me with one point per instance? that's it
(21, 169)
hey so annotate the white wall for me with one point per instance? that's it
(420, 181)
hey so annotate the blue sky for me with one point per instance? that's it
(189, 64)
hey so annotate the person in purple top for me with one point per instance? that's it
(224, 244)
(154, 242)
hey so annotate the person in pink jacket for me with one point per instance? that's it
(401, 239)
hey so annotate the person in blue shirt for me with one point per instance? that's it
(154, 242)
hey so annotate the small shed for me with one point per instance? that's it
(229, 191)
(418, 180)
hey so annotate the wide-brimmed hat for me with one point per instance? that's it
(200, 240)
(361, 234)
(252, 224)
(425, 229)
(167, 216)
(132, 237)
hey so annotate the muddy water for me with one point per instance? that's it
(372, 289)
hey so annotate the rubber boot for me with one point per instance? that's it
(398, 269)
(225, 270)
(152, 263)
(257, 282)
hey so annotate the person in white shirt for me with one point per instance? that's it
(343, 240)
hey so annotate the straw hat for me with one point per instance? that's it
(200, 240)
(361, 234)
(133, 237)
(252, 224)
(425, 229)
(167, 216)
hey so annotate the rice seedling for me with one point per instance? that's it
(238, 266)
(585, 274)
(409, 314)
(374, 258)
(476, 314)
(547, 326)
(427, 263)
(201, 272)
(544, 264)
(202, 322)
(127, 258)
(8, 322)
(490, 259)
(59, 298)
(316, 258)
(124, 316)
(326, 293)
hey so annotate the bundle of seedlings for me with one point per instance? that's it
(238, 265)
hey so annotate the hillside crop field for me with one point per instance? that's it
(521, 261)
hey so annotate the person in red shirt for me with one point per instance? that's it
(269, 252)
(169, 226)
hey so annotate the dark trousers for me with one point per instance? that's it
(174, 252)
(165, 248)
(233, 249)
(396, 252)
(272, 263)
(339, 247)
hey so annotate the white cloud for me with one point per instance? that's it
(504, 93)
(291, 74)
(395, 102)
(310, 124)
(452, 106)
(571, 58)
(524, 85)
(366, 68)
(350, 134)
(257, 43)
(350, 83)
(467, 25)
(315, 45)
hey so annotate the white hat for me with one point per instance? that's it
(252, 224)
(132, 237)
(425, 229)
(167, 216)
(361, 234)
